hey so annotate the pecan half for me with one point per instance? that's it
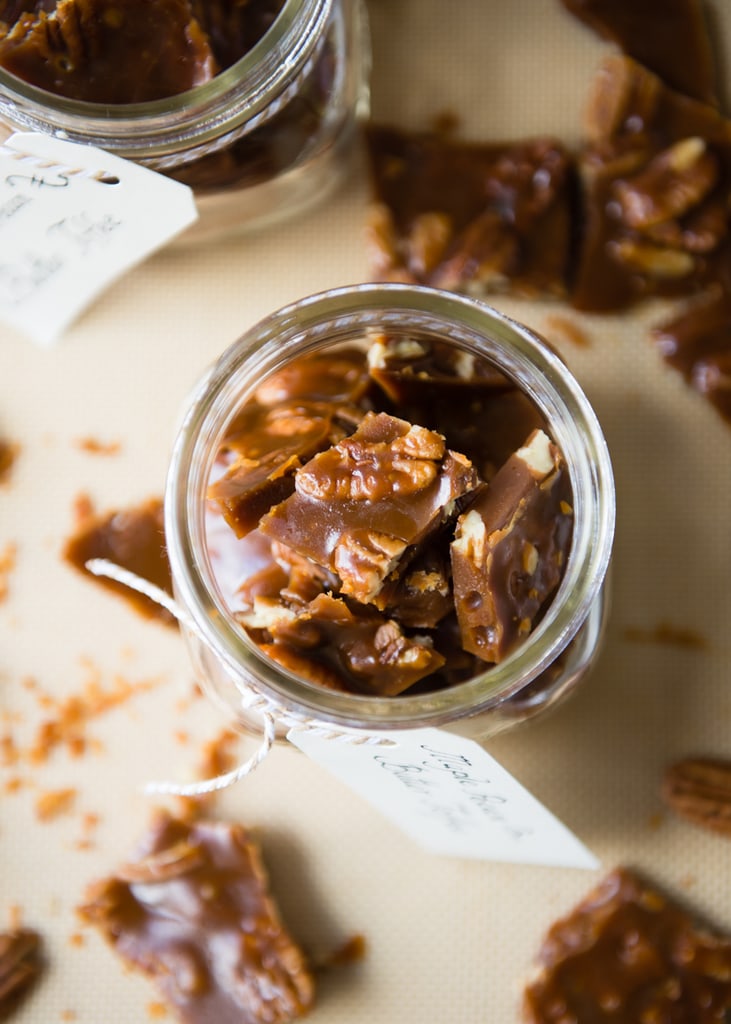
(699, 789)
(670, 185)
(19, 963)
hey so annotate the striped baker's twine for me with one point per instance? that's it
(270, 711)
(33, 163)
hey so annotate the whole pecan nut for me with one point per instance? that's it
(699, 789)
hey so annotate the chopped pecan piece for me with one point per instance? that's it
(192, 910)
(669, 186)
(627, 954)
(469, 216)
(699, 789)
(19, 965)
(422, 596)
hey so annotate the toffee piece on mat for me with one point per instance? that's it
(133, 538)
(469, 216)
(670, 37)
(193, 911)
(697, 342)
(627, 954)
(656, 178)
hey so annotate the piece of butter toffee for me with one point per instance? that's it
(510, 547)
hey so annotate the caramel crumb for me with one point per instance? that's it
(568, 329)
(7, 564)
(15, 916)
(666, 633)
(94, 446)
(8, 454)
(76, 939)
(351, 951)
(13, 785)
(69, 717)
(445, 123)
(9, 753)
(69, 1015)
(157, 1011)
(53, 803)
(83, 508)
(217, 758)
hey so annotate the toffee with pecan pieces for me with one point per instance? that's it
(193, 911)
(474, 217)
(140, 51)
(656, 177)
(343, 534)
(106, 51)
(627, 954)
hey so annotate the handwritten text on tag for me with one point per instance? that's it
(74, 218)
(449, 795)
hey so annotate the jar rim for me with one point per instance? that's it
(346, 313)
(192, 118)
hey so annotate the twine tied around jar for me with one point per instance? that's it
(271, 711)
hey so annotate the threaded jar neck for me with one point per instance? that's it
(344, 316)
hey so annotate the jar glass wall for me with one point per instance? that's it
(262, 140)
(545, 665)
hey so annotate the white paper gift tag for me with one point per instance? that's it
(74, 218)
(449, 795)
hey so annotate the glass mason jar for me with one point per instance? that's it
(262, 140)
(544, 667)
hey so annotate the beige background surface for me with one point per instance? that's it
(448, 940)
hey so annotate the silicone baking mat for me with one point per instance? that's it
(447, 940)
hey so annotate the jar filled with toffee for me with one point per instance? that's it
(253, 104)
(390, 507)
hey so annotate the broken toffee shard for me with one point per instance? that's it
(370, 501)
(192, 910)
(656, 178)
(469, 216)
(134, 539)
(627, 954)
(510, 548)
